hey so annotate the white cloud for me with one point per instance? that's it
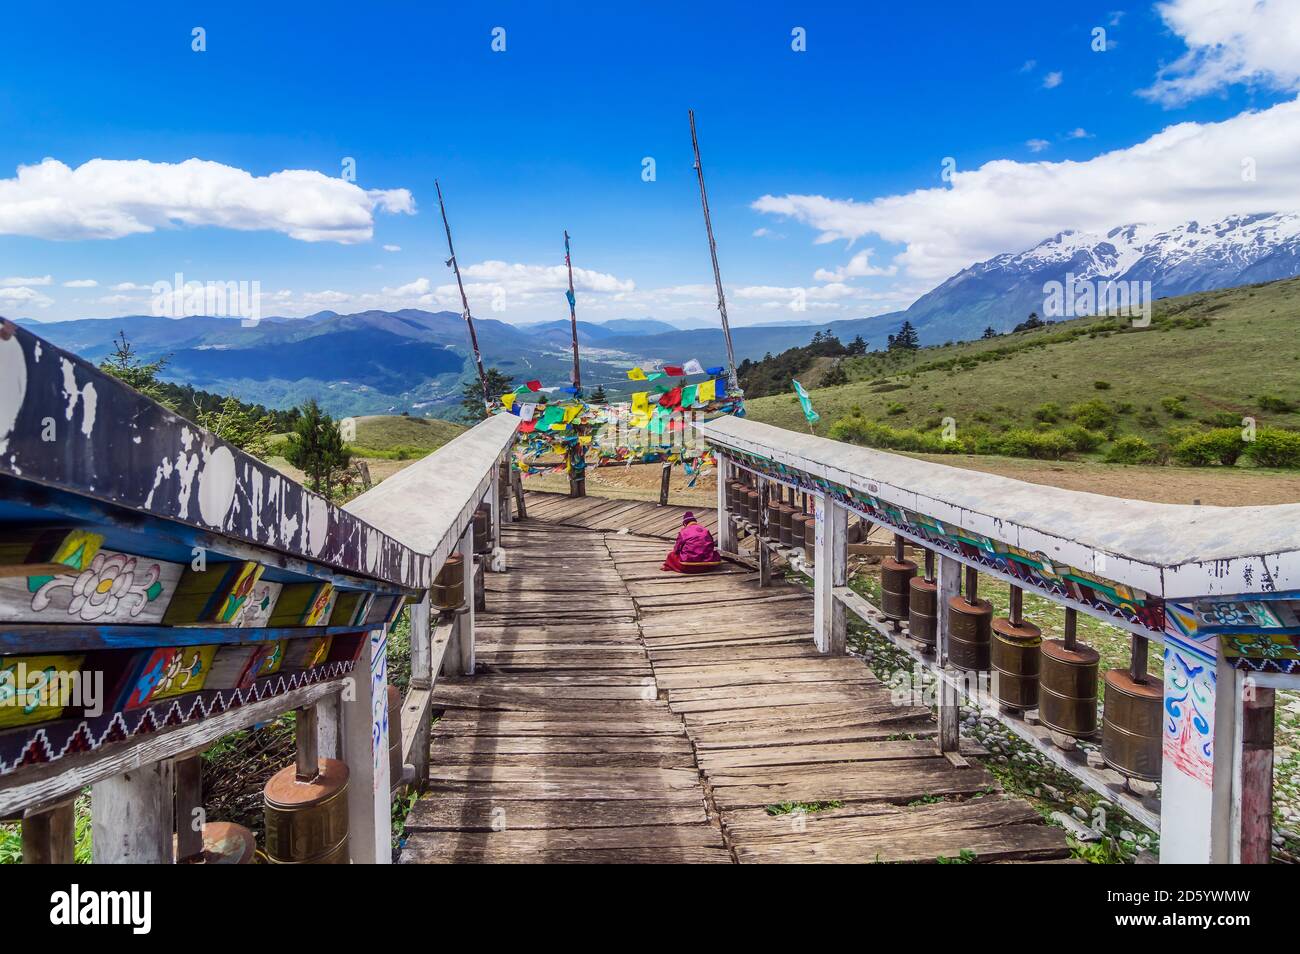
(130, 286)
(10, 295)
(1078, 133)
(1229, 41)
(1052, 80)
(1028, 66)
(859, 266)
(110, 198)
(1037, 145)
(30, 282)
(81, 283)
(392, 248)
(1187, 171)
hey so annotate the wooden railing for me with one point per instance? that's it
(1218, 587)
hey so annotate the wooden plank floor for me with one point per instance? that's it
(624, 714)
(603, 513)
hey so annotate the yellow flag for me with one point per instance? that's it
(571, 412)
(707, 391)
(636, 374)
(640, 402)
(507, 401)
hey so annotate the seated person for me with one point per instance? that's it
(694, 551)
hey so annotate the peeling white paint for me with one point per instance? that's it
(317, 524)
(216, 485)
(13, 387)
(72, 392)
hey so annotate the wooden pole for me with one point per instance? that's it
(573, 316)
(733, 382)
(464, 301)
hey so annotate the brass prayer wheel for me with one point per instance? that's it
(923, 610)
(753, 506)
(734, 489)
(448, 590)
(307, 821)
(1067, 688)
(483, 529)
(1016, 651)
(225, 843)
(1131, 727)
(895, 586)
(774, 518)
(969, 633)
(798, 527)
(787, 525)
(810, 536)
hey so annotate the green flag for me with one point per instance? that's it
(806, 401)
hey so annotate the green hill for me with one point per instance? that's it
(384, 435)
(1206, 361)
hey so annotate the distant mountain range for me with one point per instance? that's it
(378, 362)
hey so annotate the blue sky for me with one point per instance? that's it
(813, 157)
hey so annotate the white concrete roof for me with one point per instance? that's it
(1166, 549)
(428, 505)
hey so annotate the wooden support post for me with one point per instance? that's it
(189, 806)
(497, 513)
(517, 482)
(307, 736)
(329, 725)
(49, 835)
(830, 625)
(132, 816)
(480, 588)
(949, 703)
(459, 659)
(762, 552)
(365, 749)
(665, 475)
(1252, 820)
(421, 636)
(726, 526)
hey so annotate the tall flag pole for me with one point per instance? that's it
(573, 316)
(732, 381)
(469, 319)
(577, 475)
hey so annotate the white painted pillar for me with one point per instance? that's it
(132, 816)
(829, 622)
(949, 574)
(494, 496)
(459, 658)
(726, 529)
(365, 749)
(1196, 784)
(421, 633)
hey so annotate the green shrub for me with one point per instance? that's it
(1048, 413)
(1174, 406)
(1082, 439)
(1130, 449)
(1222, 445)
(1271, 402)
(1101, 385)
(856, 430)
(1043, 445)
(1273, 447)
(1095, 415)
(1223, 419)
(894, 407)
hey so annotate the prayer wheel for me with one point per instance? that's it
(225, 843)
(753, 506)
(307, 821)
(1016, 653)
(969, 627)
(448, 590)
(895, 583)
(773, 518)
(734, 489)
(1132, 723)
(798, 523)
(922, 610)
(1067, 684)
(810, 537)
(787, 526)
(483, 529)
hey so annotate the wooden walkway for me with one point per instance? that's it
(624, 714)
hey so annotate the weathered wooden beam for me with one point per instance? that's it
(189, 806)
(422, 670)
(830, 625)
(49, 835)
(365, 750)
(132, 816)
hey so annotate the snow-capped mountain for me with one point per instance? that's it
(1001, 292)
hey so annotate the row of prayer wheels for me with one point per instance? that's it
(786, 523)
(1056, 676)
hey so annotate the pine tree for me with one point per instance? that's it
(316, 448)
(858, 346)
(906, 340)
(989, 332)
(471, 395)
(835, 376)
(125, 365)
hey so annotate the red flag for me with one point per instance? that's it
(527, 427)
(534, 385)
(672, 398)
(673, 370)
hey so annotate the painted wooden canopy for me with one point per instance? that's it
(1221, 578)
(152, 575)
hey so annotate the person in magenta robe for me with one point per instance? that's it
(694, 551)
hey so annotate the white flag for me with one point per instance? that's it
(693, 367)
(526, 411)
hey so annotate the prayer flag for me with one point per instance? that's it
(636, 374)
(806, 401)
(706, 391)
(671, 398)
(534, 385)
(507, 401)
(692, 367)
(526, 411)
(654, 375)
(717, 370)
(640, 402)
(689, 394)
(673, 370)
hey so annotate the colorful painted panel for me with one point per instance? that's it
(112, 588)
(171, 672)
(1189, 712)
(236, 600)
(38, 688)
(260, 604)
(305, 653)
